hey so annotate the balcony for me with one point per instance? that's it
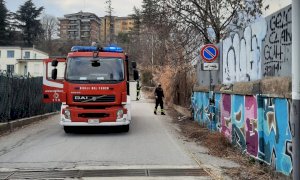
(72, 30)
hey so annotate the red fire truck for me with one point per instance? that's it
(94, 88)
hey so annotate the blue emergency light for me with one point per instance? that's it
(110, 48)
(113, 48)
(84, 49)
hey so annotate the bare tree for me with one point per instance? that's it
(213, 17)
(50, 26)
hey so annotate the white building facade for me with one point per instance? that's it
(22, 61)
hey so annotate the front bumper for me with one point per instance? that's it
(99, 124)
(119, 122)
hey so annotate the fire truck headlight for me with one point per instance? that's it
(67, 114)
(120, 114)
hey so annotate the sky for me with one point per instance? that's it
(275, 5)
(58, 8)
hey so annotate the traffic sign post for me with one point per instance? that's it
(209, 54)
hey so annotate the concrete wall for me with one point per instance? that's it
(260, 50)
(258, 125)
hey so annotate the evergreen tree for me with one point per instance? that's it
(137, 17)
(28, 22)
(150, 13)
(4, 33)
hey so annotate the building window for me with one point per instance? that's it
(10, 54)
(10, 69)
(27, 55)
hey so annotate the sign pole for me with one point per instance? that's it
(209, 54)
(295, 109)
(210, 81)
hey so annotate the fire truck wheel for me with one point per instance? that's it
(125, 128)
(67, 129)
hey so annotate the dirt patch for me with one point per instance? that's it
(148, 92)
(220, 146)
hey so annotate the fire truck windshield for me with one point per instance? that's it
(82, 69)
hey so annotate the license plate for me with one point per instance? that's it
(93, 121)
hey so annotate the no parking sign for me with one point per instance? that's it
(209, 53)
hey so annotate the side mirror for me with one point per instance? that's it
(54, 74)
(135, 74)
(54, 63)
(133, 64)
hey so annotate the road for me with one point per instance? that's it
(150, 143)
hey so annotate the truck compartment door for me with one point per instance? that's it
(53, 90)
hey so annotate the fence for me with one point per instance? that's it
(21, 96)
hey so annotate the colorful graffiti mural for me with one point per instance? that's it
(259, 126)
(203, 112)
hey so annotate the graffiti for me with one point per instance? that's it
(260, 126)
(204, 113)
(262, 49)
(242, 52)
(238, 122)
(218, 98)
(226, 115)
(274, 134)
(277, 47)
(251, 125)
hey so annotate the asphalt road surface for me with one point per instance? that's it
(150, 143)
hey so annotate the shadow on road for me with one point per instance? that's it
(96, 130)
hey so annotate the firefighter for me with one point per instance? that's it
(138, 89)
(159, 95)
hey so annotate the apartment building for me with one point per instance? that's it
(82, 26)
(21, 61)
(119, 24)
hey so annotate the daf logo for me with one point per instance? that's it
(81, 97)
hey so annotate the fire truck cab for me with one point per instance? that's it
(94, 88)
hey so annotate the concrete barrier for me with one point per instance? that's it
(15, 124)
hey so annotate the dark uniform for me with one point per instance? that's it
(159, 95)
(138, 89)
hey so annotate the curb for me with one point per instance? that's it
(15, 124)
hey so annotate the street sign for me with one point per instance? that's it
(210, 66)
(209, 53)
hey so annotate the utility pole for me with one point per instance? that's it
(111, 21)
(295, 110)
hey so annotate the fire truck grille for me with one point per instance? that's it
(93, 115)
(91, 99)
